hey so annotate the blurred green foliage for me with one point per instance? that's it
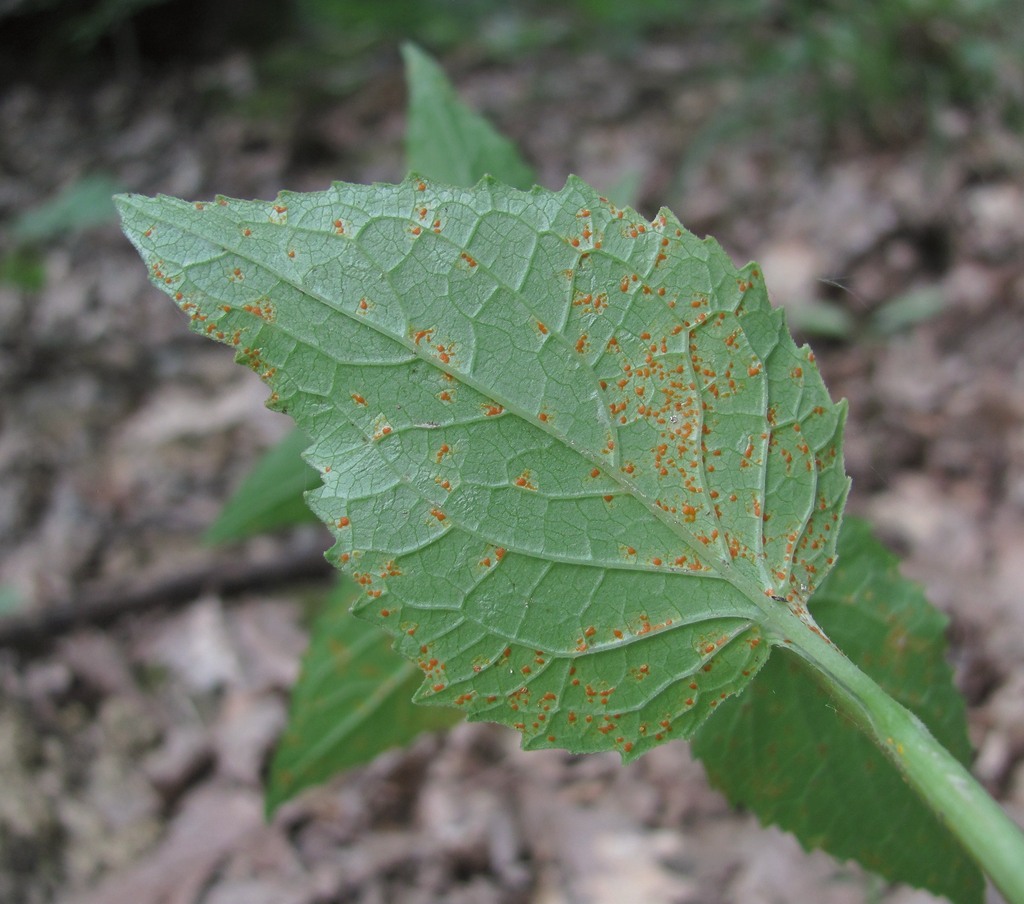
(884, 68)
(79, 206)
(802, 68)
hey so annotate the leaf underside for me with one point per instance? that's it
(570, 455)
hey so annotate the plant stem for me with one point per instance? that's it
(994, 841)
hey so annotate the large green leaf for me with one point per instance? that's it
(579, 468)
(784, 751)
(351, 702)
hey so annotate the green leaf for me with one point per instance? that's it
(907, 311)
(271, 496)
(351, 703)
(580, 470)
(783, 751)
(11, 600)
(447, 141)
(80, 206)
(23, 268)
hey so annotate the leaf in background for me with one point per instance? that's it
(569, 455)
(351, 703)
(810, 317)
(23, 268)
(271, 496)
(447, 141)
(79, 206)
(11, 600)
(907, 311)
(784, 752)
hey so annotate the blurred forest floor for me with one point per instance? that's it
(132, 747)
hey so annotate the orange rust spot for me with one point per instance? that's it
(523, 480)
(343, 521)
(421, 186)
(438, 514)
(499, 553)
(358, 399)
(543, 329)
(468, 259)
(493, 410)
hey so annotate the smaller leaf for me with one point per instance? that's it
(352, 701)
(83, 204)
(447, 141)
(270, 497)
(23, 268)
(783, 750)
(11, 600)
(907, 311)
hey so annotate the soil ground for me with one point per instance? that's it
(133, 745)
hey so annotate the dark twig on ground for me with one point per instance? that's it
(33, 631)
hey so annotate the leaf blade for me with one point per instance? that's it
(525, 407)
